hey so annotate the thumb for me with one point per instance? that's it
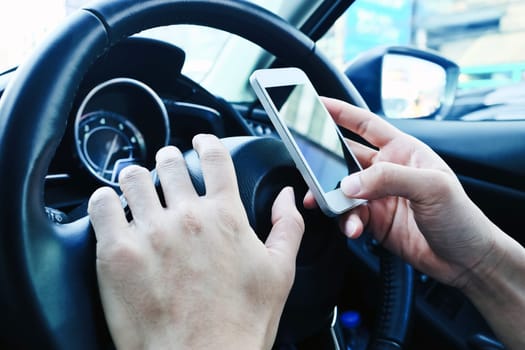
(385, 179)
(288, 227)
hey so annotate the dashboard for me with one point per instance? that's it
(133, 101)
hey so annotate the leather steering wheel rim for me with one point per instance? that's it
(54, 282)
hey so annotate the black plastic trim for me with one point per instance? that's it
(490, 151)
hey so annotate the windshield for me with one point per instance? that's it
(485, 37)
(22, 29)
(211, 55)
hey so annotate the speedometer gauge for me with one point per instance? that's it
(107, 143)
(120, 122)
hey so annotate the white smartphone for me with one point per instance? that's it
(309, 133)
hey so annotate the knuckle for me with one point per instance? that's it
(190, 219)
(230, 220)
(148, 225)
(363, 126)
(170, 163)
(169, 158)
(380, 173)
(156, 231)
(131, 174)
(119, 253)
(159, 239)
(443, 184)
(99, 200)
(215, 154)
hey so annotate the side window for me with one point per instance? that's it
(368, 24)
(484, 38)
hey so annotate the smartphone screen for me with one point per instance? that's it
(315, 134)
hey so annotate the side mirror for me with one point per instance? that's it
(404, 82)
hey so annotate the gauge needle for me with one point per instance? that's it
(112, 150)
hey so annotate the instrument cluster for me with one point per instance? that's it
(118, 124)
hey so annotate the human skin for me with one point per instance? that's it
(193, 274)
(418, 209)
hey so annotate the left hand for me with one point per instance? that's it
(416, 205)
(193, 274)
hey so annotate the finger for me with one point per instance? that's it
(365, 155)
(353, 223)
(364, 123)
(106, 214)
(385, 179)
(137, 186)
(288, 227)
(217, 166)
(174, 176)
(309, 201)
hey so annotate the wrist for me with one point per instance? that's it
(496, 288)
(230, 339)
(499, 278)
(250, 334)
(492, 267)
(205, 342)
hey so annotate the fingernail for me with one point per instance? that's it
(351, 185)
(349, 229)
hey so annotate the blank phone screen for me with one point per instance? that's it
(313, 130)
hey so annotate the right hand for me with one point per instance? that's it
(416, 206)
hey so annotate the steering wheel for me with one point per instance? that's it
(47, 270)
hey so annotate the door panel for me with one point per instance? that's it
(489, 158)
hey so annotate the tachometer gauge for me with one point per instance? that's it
(107, 143)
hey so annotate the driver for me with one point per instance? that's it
(194, 275)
